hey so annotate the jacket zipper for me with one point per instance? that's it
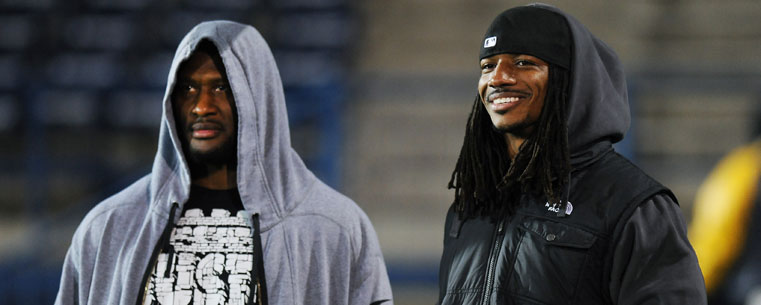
(492, 262)
(260, 288)
(154, 256)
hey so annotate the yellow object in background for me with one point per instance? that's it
(723, 206)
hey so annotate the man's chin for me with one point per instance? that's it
(523, 129)
(204, 148)
(218, 154)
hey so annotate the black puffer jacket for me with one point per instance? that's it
(535, 257)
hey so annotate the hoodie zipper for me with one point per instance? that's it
(260, 285)
(154, 256)
(492, 262)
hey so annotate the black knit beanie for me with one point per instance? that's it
(529, 30)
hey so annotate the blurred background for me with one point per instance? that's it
(378, 93)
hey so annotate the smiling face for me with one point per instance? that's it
(204, 109)
(512, 88)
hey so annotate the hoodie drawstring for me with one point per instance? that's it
(156, 250)
(259, 285)
(564, 199)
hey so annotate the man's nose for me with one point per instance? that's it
(503, 75)
(206, 105)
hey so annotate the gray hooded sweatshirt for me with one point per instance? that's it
(319, 247)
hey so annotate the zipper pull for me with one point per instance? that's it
(501, 227)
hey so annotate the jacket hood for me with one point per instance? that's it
(598, 107)
(272, 178)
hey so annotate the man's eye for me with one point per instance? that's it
(523, 63)
(185, 88)
(487, 66)
(221, 88)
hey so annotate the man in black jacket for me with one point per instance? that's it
(545, 211)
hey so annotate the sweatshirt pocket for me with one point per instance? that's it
(549, 260)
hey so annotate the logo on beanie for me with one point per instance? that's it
(490, 42)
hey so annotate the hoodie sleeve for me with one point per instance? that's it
(77, 273)
(653, 262)
(370, 284)
(68, 289)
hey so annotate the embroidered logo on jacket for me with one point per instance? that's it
(555, 207)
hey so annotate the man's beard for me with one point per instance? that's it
(225, 154)
(522, 128)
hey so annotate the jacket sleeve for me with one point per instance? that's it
(76, 276)
(369, 280)
(68, 289)
(653, 262)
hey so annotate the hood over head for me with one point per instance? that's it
(598, 107)
(272, 178)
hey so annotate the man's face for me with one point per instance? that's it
(512, 88)
(205, 111)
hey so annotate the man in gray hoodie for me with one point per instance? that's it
(229, 213)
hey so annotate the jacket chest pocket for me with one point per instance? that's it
(548, 262)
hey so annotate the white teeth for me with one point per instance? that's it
(504, 100)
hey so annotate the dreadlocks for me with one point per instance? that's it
(488, 183)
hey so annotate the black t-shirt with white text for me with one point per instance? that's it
(209, 258)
